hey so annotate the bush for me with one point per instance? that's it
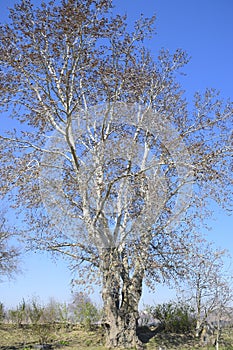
(174, 317)
(87, 314)
(84, 311)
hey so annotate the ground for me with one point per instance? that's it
(65, 337)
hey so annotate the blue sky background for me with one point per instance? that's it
(204, 28)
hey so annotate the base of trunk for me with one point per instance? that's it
(122, 334)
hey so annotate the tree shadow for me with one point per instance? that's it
(144, 333)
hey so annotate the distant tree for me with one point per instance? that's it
(64, 316)
(51, 311)
(35, 311)
(19, 314)
(223, 306)
(208, 286)
(107, 157)
(41, 322)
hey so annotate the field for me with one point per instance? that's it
(66, 337)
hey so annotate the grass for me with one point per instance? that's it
(77, 338)
(14, 337)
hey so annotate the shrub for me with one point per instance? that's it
(87, 314)
(83, 310)
(174, 317)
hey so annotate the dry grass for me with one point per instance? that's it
(77, 338)
(26, 337)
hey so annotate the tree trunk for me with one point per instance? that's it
(218, 333)
(199, 322)
(121, 297)
(121, 329)
(198, 328)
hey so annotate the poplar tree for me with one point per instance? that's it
(106, 163)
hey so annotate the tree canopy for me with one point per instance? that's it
(9, 250)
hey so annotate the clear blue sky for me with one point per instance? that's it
(204, 28)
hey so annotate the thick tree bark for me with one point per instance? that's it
(121, 296)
